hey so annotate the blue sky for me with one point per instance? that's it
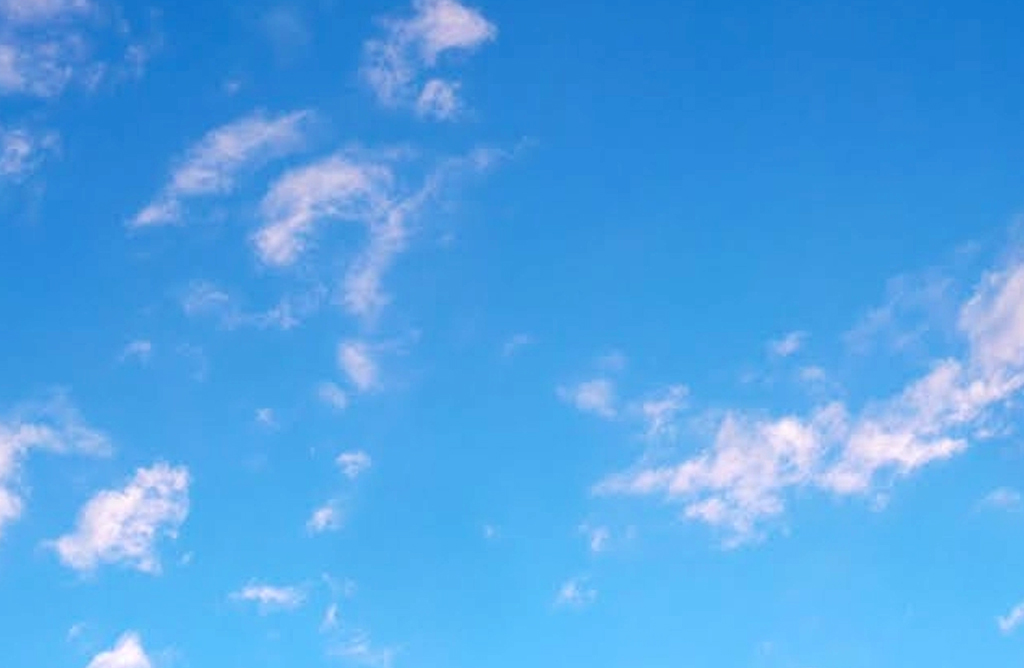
(429, 334)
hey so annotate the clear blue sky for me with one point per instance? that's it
(415, 335)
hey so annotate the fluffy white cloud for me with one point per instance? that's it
(332, 395)
(393, 64)
(270, 598)
(214, 165)
(788, 345)
(53, 426)
(575, 593)
(325, 518)
(126, 653)
(592, 396)
(123, 526)
(743, 478)
(1009, 623)
(356, 360)
(353, 463)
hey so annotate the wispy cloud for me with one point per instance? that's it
(126, 653)
(575, 593)
(265, 417)
(597, 537)
(325, 518)
(123, 526)
(139, 350)
(1009, 623)
(393, 65)
(595, 396)
(214, 164)
(54, 426)
(330, 619)
(332, 395)
(1002, 498)
(660, 411)
(787, 345)
(353, 463)
(22, 151)
(358, 649)
(356, 360)
(206, 299)
(912, 304)
(270, 598)
(754, 462)
(515, 343)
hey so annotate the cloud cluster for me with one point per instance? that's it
(394, 64)
(123, 526)
(270, 598)
(22, 151)
(754, 462)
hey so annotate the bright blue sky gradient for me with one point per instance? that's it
(442, 335)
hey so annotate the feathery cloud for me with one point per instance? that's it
(575, 593)
(332, 395)
(788, 345)
(52, 426)
(356, 360)
(22, 151)
(214, 165)
(139, 349)
(1002, 498)
(123, 526)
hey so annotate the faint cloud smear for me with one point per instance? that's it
(788, 345)
(332, 395)
(270, 598)
(214, 165)
(265, 417)
(597, 537)
(205, 299)
(912, 304)
(596, 397)
(356, 360)
(1009, 623)
(330, 618)
(1003, 498)
(491, 532)
(358, 649)
(613, 362)
(126, 653)
(660, 412)
(52, 426)
(754, 462)
(354, 463)
(393, 64)
(139, 350)
(123, 526)
(325, 518)
(575, 593)
(23, 151)
(515, 343)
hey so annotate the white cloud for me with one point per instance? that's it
(123, 526)
(330, 618)
(743, 478)
(126, 653)
(659, 412)
(332, 395)
(392, 65)
(37, 11)
(788, 345)
(356, 360)
(325, 518)
(613, 361)
(139, 349)
(23, 151)
(575, 593)
(354, 463)
(358, 649)
(1009, 623)
(265, 417)
(912, 303)
(214, 165)
(439, 99)
(205, 299)
(597, 537)
(593, 396)
(515, 343)
(53, 426)
(1002, 498)
(270, 598)
(491, 532)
